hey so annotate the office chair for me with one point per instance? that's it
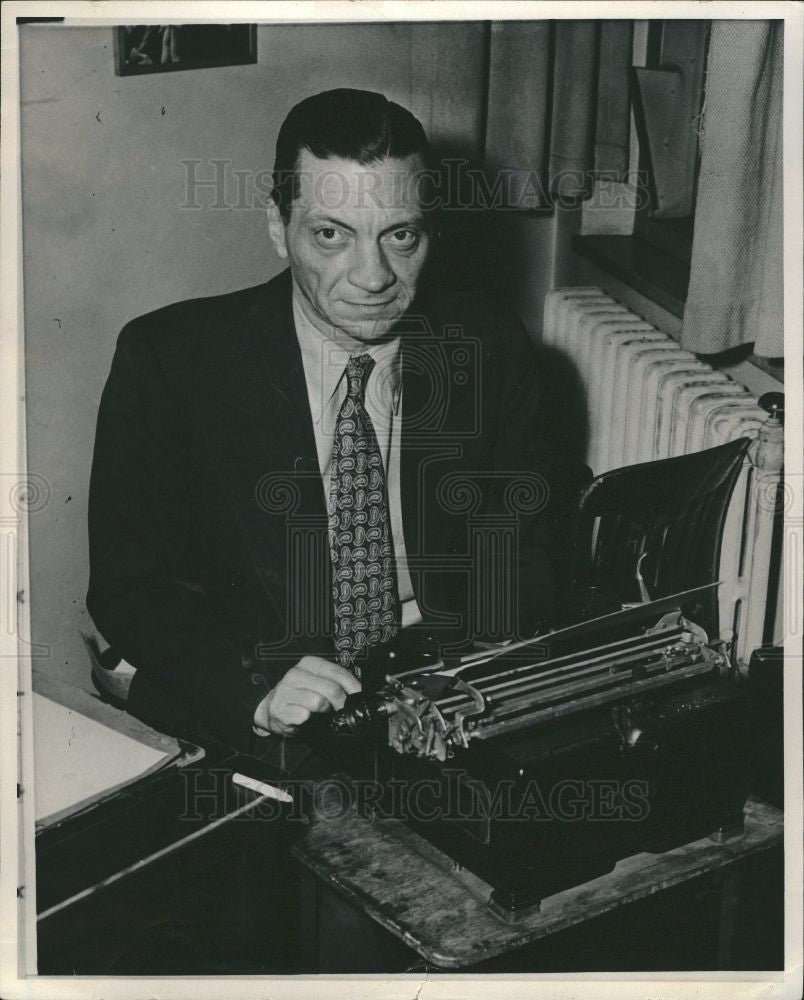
(650, 530)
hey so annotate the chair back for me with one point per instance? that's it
(659, 520)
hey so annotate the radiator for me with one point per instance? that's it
(648, 398)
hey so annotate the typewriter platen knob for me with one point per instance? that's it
(767, 450)
(773, 403)
(360, 711)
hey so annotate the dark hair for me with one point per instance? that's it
(351, 124)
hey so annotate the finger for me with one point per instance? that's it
(291, 715)
(332, 671)
(332, 693)
(281, 711)
(280, 729)
(311, 699)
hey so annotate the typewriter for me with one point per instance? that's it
(538, 765)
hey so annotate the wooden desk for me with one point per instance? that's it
(412, 890)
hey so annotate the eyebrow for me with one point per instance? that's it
(414, 221)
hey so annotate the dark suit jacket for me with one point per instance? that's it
(207, 521)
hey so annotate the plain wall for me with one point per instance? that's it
(106, 238)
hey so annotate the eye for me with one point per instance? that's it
(329, 236)
(404, 239)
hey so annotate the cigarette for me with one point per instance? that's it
(261, 787)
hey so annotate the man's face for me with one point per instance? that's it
(356, 242)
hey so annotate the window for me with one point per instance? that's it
(668, 97)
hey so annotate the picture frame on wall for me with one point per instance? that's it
(164, 48)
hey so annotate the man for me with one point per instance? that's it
(287, 476)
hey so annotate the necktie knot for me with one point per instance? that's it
(358, 369)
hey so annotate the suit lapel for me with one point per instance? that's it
(267, 384)
(281, 501)
(439, 424)
(267, 377)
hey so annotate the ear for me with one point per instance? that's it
(276, 230)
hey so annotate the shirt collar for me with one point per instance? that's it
(325, 364)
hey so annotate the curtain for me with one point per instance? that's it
(735, 292)
(558, 112)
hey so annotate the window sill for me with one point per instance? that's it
(653, 273)
(662, 279)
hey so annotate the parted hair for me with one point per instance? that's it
(355, 125)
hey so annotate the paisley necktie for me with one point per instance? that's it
(364, 590)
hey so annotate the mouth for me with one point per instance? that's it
(369, 305)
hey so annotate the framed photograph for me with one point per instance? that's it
(162, 48)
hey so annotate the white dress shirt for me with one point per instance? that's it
(324, 371)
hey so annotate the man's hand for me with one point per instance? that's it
(312, 685)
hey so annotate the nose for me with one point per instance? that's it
(369, 269)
